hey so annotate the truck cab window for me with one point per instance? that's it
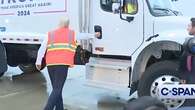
(162, 8)
(127, 6)
(130, 6)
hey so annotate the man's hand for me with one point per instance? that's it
(97, 34)
(38, 67)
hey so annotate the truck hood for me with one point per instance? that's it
(172, 28)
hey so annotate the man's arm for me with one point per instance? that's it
(84, 36)
(41, 53)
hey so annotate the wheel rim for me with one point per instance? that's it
(166, 79)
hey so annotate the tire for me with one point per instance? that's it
(155, 73)
(3, 59)
(29, 68)
(1, 74)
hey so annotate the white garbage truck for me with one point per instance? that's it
(139, 47)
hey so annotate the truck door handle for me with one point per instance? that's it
(98, 28)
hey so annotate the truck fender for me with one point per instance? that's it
(3, 58)
(154, 49)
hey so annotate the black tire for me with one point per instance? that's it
(155, 71)
(1, 74)
(29, 68)
(3, 59)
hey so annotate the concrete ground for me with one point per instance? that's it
(24, 92)
(78, 96)
(30, 91)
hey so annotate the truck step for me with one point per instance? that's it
(108, 73)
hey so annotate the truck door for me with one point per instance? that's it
(119, 36)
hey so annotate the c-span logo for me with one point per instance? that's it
(183, 91)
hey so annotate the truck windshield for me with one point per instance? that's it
(162, 8)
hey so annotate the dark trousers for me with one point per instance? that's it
(57, 76)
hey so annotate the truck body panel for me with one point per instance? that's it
(32, 19)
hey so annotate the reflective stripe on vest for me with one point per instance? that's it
(61, 46)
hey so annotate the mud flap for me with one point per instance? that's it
(3, 59)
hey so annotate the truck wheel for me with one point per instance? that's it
(164, 72)
(1, 74)
(3, 59)
(28, 68)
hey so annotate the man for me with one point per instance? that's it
(188, 60)
(59, 49)
(191, 27)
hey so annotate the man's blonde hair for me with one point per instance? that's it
(64, 22)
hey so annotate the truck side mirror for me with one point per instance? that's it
(128, 18)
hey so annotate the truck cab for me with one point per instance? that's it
(136, 45)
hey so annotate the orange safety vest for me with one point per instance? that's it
(61, 47)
